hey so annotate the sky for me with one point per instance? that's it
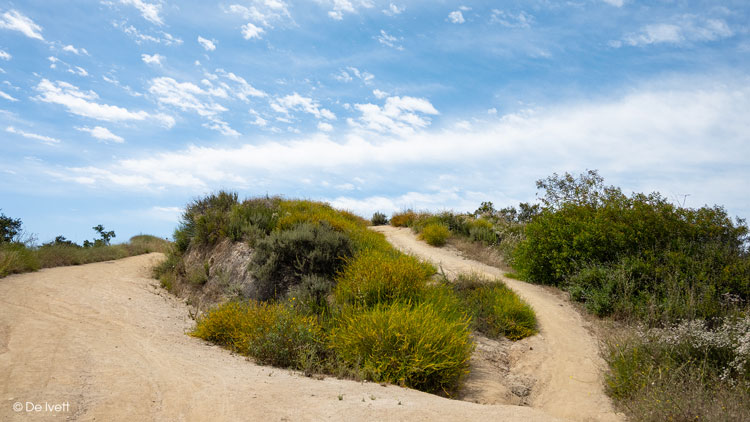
(120, 112)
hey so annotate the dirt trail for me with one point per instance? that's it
(563, 358)
(107, 341)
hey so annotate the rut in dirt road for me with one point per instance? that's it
(563, 358)
(108, 341)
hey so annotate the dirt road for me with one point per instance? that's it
(103, 342)
(563, 358)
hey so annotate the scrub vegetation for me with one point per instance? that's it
(331, 297)
(19, 254)
(674, 281)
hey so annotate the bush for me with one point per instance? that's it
(253, 219)
(379, 219)
(284, 257)
(682, 372)
(205, 221)
(10, 228)
(381, 277)
(311, 295)
(273, 334)
(17, 258)
(403, 219)
(496, 310)
(412, 346)
(435, 234)
(639, 257)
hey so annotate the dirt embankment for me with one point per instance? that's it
(561, 364)
(103, 342)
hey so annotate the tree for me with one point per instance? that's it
(10, 228)
(588, 190)
(106, 236)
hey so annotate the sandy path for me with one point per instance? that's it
(563, 358)
(104, 339)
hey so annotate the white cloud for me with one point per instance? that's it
(681, 30)
(15, 21)
(615, 3)
(379, 94)
(456, 17)
(389, 40)
(149, 11)
(76, 51)
(101, 133)
(325, 127)
(305, 104)
(7, 96)
(139, 37)
(242, 89)
(339, 7)
(660, 137)
(5, 55)
(346, 75)
(152, 59)
(394, 10)
(209, 45)
(250, 31)
(507, 19)
(81, 103)
(398, 116)
(46, 139)
(184, 96)
(262, 12)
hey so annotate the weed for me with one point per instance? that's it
(435, 234)
(379, 219)
(410, 345)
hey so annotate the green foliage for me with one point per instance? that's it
(17, 258)
(381, 277)
(104, 236)
(284, 257)
(379, 219)
(410, 345)
(311, 295)
(682, 372)
(253, 219)
(495, 309)
(272, 333)
(403, 218)
(10, 228)
(205, 221)
(637, 256)
(435, 234)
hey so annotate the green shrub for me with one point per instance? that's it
(682, 372)
(381, 277)
(413, 346)
(435, 234)
(403, 218)
(10, 229)
(311, 294)
(273, 334)
(637, 256)
(495, 309)
(379, 219)
(481, 230)
(17, 258)
(284, 257)
(253, 219)
(205, 221)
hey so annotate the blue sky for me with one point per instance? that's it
(119, 112)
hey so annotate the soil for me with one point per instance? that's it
(104, 342)
(558, 371)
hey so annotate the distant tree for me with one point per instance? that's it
(588, 189)
(10, 228)
(105, 236)
(485, 209)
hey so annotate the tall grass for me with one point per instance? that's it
(19, 258)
